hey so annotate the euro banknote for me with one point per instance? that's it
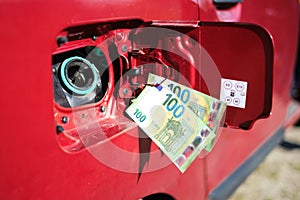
(208, 109)
(168, 121)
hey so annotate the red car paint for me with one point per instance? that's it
(33, 164)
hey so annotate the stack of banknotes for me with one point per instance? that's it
(181, 121)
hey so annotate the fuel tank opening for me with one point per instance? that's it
(79, 76)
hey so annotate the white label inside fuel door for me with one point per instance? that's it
(233, 92)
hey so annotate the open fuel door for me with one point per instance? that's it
(231, 61)
(243, 54)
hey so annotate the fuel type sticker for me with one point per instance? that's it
(233, 92)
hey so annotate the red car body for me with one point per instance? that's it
(37, 164)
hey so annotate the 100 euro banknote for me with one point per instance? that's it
(209, 109)
(168, 121)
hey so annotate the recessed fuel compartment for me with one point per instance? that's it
(98, 69)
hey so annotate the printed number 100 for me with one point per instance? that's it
(172, 105)
(139, 115)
